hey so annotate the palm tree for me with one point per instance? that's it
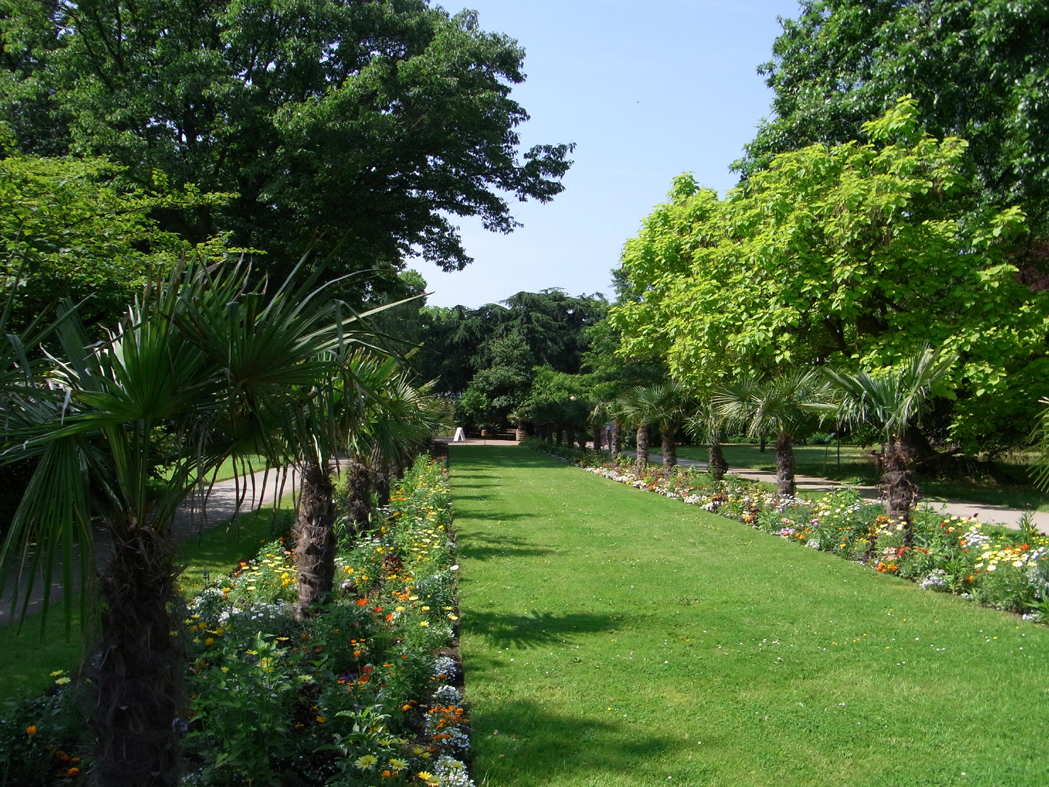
(705, 427)
(201, 367)
(891, 400)
(519, 418)
(663, 405)
(666, 406)
(773, 404)
(632, 408)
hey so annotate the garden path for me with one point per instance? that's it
(988, 514)
(225, 500)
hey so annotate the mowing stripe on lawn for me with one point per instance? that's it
(614, 637)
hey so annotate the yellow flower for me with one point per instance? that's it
(62, 681)
(425, 623)
(366, 762)
(398, 765)
(31, 730)
(321, 719)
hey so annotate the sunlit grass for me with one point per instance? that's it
(614, 637)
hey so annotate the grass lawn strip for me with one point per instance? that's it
(614, 638)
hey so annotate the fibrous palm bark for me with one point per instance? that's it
(785, 484)
(642, 449)
(315, 538)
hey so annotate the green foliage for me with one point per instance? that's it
(855, 253)
(505, 345)
(69, 231)
(365, 122)
(977, 69)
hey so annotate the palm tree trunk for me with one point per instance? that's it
(616, 447)
(900, 491)
(315, 538)
(642, 449)
(138, 666)
(358, 499)
(597, 436)
(521, 432)
(785, 465)
(716, 464)
(669, 451)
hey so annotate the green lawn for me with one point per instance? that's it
(614, 637)
(856, 466)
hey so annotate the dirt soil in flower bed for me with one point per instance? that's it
(613, 637)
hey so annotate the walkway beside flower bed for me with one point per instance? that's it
(611, 637)
(985, 513)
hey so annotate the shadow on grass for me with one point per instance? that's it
(520, 742)
(488, 547)
(535, 629)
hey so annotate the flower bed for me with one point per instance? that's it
(365, 692)
(1005, 569)
(368, 692)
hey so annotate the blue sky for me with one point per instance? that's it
(647, 91)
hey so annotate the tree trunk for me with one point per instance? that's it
(358, 497)
(642, 449)
(669, 451)
(716, 464)
(785, 465)
(617, 439)
(315, 538)
(597, 436)
(900, 491)
(558, 435)
(522, 432)
(762, 441)
(137, 668)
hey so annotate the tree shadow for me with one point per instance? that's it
(535, 629)
(520, 742)
(477, 547)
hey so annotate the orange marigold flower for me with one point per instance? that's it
(31, 730)
(361, 602)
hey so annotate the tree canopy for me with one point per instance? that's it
(977, 69)
(373, 124)
(859, 253)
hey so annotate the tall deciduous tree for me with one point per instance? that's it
(978, 69)
(370, 121)
(857, 253)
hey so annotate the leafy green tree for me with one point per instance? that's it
(892, 401)
(68, 230)
(357, 127)
(855, 253)
(500, 385)
(977, 69)
(561, 403)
